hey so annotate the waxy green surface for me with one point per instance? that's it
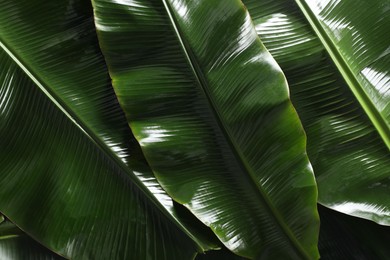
(58, 186)
(341, 237)
(210, 108)
(55, 46)
(350, 159)
(360, 47)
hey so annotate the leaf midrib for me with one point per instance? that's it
(349, 76)
(97, 141)
(202, 82)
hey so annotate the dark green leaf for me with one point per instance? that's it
(55, 45)
(57, 185)
(16, 245)
(210, 108)
(341, 237)
(349, 157)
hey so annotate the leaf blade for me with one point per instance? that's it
(348, 60)
(65, 178)
(60, 53)
(349, 157)
(14, 244)
(162, 78)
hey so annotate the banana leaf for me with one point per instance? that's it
(16, 245)
(65, 145)
(221, 138)
(350, 159)
(58, 186)
(341, 237)
(358, 44)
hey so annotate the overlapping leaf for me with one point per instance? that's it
(341, 237)
(16, 245)
(58, 186)
(349, 157)
(210, 108)
(60, 52)
(358, 44)
(55, 45)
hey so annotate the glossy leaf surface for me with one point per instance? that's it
(222, 138)
(349, 157)
(72, 197)
(16, 245)
(55, 44)
(341, 237)
(60, 52)
(359, 45)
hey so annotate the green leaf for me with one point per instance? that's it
(55, 45)
(349, 157)
(211, 111)
(15, 245)
(57, 185)
(341, 237)
(358, 44)
(63, 58)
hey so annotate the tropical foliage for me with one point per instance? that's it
(175, 129)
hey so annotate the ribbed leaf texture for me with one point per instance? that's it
(360, 47)
(211, 111)
(341, 237)
(16, 245)
(55, 45)
(58, 186)
(349, 157)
